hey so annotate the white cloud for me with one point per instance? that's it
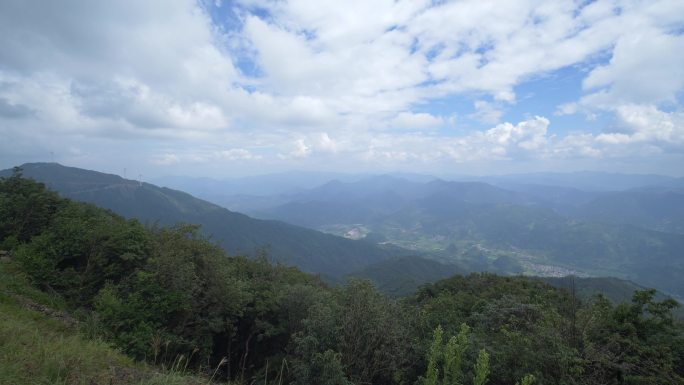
(527, 135)
(486, 112)
(505, 141)
(577, 145)
(238, 154)
(416, 121)
(643, 78)
(301, 150)
(646, 67)
(166, 159)
(336, 81)
(647, 124)
(147, 65)
(490, 47)
(320, 144)
(326, 144)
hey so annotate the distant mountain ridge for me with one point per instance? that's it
(308, 249)
(482, 222)
(474, 224)
(399, 277)
(375, 197)
(656, 208)
(582, 180)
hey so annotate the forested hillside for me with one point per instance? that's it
(237, 233)
(169, 297)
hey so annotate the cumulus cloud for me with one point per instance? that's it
(300, 150)
(527, 135)
(298, 81)
(646, 67)
(504, 141)
(640, 84)
(151, 64)
(647, 124)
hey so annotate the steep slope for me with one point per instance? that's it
(239, 234)
(41, 344)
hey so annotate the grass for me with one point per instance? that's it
(39, 349)
(13, 282)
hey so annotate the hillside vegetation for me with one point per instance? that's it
(41, 344)
(473, 225)
(167, 295)
(399, 277)
(237, 233)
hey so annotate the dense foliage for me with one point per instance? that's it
(166, 294)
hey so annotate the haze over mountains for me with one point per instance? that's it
(342, 192)
(378, 225)
(510, 225)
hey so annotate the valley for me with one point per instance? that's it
(475, 224)
(302, 192)
(491, 256)
(346, 226)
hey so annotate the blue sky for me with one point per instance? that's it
(223, 88)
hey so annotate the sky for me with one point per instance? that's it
(233, 88)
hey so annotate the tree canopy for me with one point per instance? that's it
(164, 294)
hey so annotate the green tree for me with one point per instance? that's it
(434, 357)
(84, 248)
(481, 368)
(26, 209)
(636, 343)
(453, 356)
(450, 357)
(527, 380)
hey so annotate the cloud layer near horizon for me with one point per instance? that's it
(267, 85)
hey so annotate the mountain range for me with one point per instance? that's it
(405, 231)
(539, 229)
(308, 249)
